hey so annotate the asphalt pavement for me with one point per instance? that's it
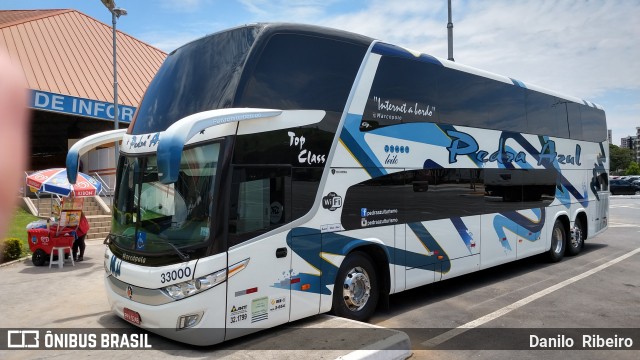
(72, 300)
(600, 288)
(596, 293)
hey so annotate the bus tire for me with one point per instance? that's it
(576, 242)
(39, 257)
(355, 294)
(558, 242)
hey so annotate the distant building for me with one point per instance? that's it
(636, 145)
(632, 142)
(609, 136)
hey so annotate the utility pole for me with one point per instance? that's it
(450, 34)
(116, 12)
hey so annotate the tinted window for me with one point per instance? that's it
(304, 187)
(463, 98)
(546, 115)
(594, 127)
(402, 91)
(303, 72)
(575, 123)
(431, 194)
(260, 200)
(471, 100)
(305, 146)
(202, 75)
(506, 107)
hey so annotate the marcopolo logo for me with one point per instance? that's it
(332, 201)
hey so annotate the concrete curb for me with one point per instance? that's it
(15, 261)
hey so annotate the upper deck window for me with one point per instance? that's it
(303, 72)
(202, 75)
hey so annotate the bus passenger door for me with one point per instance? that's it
(258, 295)
(305, 274)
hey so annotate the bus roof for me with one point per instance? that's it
(395, 50)
(264, 30)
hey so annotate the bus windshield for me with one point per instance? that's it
(199, 76)
(151, 217)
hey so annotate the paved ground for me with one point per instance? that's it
(515, 295)
(74, 298)
(490, 299)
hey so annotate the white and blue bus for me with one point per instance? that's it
(277, 171)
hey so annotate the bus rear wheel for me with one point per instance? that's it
(576, 242)
(558, 242)
(355, 294)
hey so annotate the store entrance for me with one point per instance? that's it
(50, 133)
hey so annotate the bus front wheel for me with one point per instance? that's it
(558, 241)
(355, 295)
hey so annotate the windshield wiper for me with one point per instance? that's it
(111, 236)
(183, 256)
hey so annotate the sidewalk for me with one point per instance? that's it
(74, 297)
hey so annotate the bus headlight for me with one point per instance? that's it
(192, 287)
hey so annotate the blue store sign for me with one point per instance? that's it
(66, 104)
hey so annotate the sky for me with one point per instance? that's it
(585, 48)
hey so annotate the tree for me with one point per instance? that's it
(620, 157)
(633, 169)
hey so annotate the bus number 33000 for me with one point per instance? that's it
(175, 275)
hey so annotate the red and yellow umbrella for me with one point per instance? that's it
(54, 181)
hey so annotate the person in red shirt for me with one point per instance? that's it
(81, 233)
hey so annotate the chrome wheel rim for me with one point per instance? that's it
(356, 289)
(557, 235)
(576, 239)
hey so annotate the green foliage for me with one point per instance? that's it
(11, 249)
(18, 227)
(620, 157)
(633, 169)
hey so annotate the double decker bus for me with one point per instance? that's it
(276, 171)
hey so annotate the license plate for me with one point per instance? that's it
(132, 316)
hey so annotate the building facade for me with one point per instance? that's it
(67, 58)
(632, 142)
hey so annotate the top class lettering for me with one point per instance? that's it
(465, 144)
(305, 156)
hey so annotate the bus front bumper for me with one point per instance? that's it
(171, 319)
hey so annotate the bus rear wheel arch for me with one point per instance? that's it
(357, 288)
